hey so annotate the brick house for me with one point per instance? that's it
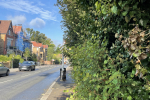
(7, 37)
(40, 50)
(37, 48)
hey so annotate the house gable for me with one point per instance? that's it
(4, 26)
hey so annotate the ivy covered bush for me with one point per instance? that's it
(108, 45)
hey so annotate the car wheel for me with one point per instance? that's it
(7, 73)
(30, 69)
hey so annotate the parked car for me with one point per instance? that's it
(27, 65)
(4, 70)
(34, 62)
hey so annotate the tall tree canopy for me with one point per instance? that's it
(39, 37)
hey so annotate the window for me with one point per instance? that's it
(41, 49)
(9, 32)
(40, 55)
(8, 42)
(27, 62)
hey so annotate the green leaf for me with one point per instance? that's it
(97, 31)
(98, 5)
(114, 9)
(137, 66)
(131, 13)
(129, 98)
(143, 71)
(103, 9)
(145, 22)
(132, 74)
(126, 8)
(127, 19)
(94, 75)
(135, 6)
(115, 81)
(124, 13)
(141, 22)
(105, 62)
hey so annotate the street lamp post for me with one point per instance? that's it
(63, 70)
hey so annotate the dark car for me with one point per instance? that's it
(34, 62)
(27, 65)
(3, 70)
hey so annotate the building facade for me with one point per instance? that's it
(22, 40)
(40, 50)
(7, 37)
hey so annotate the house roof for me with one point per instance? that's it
(4, 25)
(17, 29)
(45, 46)
(35, 44)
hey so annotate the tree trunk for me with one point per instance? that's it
(26, 58)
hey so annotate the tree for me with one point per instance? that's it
(109, 41)
(39, 37)
(29, 31)
(58, 49)
(27, 53)
(34, 57)
(50, 53)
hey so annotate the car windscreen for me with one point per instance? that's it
(27, 62)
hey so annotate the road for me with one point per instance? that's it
(27, 85)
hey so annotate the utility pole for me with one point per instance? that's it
(63, 70)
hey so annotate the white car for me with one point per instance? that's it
(4, 70)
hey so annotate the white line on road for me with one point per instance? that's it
(6, 81)
(46, 95)
(26, 75)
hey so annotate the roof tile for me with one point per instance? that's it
(4, 25)
(17, 29)
(35, 44)
(45, 46)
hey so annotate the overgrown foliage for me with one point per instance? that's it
(108, 45)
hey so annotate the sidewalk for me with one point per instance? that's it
(58, 88)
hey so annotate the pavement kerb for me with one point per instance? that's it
(47, 94)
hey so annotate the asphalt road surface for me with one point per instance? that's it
(27, 85)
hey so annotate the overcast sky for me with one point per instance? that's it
(41, 15)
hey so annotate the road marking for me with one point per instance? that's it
(6, 81)
(46, 95)
(26, 75)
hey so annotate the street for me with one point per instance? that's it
(27, 85)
